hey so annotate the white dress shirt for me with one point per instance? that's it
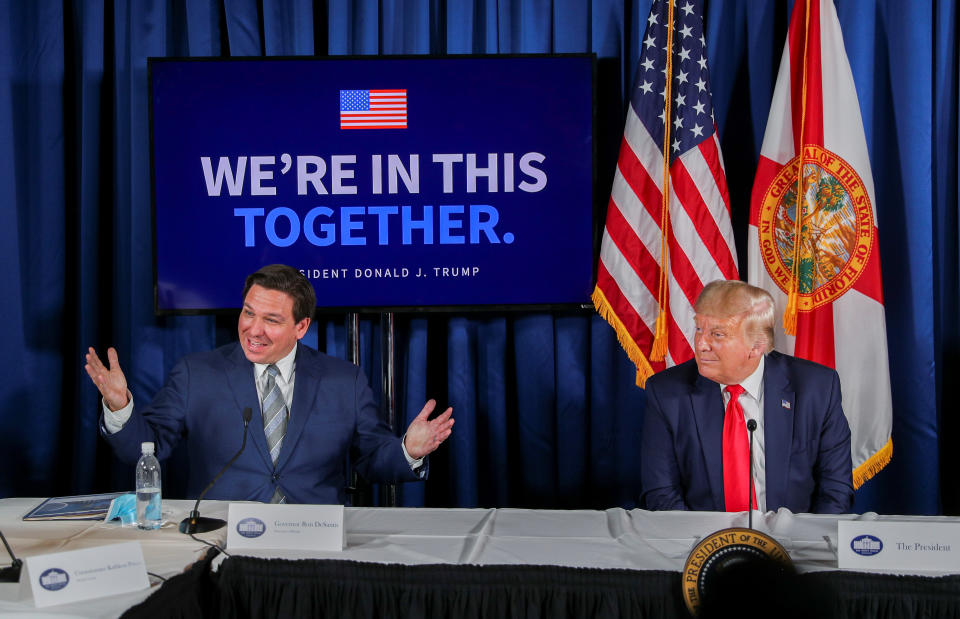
(752, 402)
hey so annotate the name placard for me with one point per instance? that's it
(64, 577)
(899, 546)
(300, 527)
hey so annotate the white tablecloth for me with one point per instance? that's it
(614, 538)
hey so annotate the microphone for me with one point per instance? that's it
(751, 427)
(11, 573)
(194, 523)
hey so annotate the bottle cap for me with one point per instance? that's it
(146, 448)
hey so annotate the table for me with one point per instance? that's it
(166, 551)
(613, 539)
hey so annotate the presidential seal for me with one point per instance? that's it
(837, 228)
(719, 551)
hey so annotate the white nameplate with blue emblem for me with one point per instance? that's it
(297, 527)
(905, 546)
(65, 577)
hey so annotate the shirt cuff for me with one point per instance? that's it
(414, 463)
(113, 421)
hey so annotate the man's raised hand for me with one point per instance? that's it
(424, 435)
(110, 381)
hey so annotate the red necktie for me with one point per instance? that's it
(736, 455)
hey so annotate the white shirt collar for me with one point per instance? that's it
(753, 384)
(285, 365)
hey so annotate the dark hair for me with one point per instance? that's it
(288, 280)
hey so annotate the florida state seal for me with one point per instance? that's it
(837, 232)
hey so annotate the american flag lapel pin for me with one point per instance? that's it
(785, 404)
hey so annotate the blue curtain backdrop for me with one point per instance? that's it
(547, 414)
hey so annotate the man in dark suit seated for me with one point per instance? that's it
(695, 444)
(312, 413)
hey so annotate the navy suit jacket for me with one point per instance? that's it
(806, 438)
(333, 420)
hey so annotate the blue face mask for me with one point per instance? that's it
(124, 508)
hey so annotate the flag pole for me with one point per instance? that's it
(658, 351)
(793, 299)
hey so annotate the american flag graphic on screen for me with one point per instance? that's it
(373, 109)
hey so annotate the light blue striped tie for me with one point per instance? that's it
(274, 421)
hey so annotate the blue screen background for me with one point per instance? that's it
(479, 105)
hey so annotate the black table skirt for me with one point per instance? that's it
(249, 587)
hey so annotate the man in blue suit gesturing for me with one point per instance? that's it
(695, 445)
(317, 412)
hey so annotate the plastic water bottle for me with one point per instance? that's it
(149, 515)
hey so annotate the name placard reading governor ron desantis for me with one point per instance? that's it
(285, 527)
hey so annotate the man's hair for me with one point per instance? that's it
(288, 280)
(730, 298)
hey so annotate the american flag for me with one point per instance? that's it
(373, 109)
(700, 245)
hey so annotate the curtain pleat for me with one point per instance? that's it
(276, 588)
(251, 587)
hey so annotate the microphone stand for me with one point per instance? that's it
(11, 573)
(195, 523)
(751, 426)
(718, 551)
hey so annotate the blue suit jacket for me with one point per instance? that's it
(806, 437)
(332, 419)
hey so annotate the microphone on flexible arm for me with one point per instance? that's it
(751, 427)
(195, 523)
(11, 573)
(716, 553)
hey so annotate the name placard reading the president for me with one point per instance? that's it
(899, 546)
(63, 577)
(298, 527)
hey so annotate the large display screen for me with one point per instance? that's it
(391, 183)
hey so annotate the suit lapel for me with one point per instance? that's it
(242, 381)
(707, 403)
(779, 404)
(304, 393)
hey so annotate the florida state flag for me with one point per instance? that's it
(821, 262)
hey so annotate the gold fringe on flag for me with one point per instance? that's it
(873, 465)
(644, 370)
